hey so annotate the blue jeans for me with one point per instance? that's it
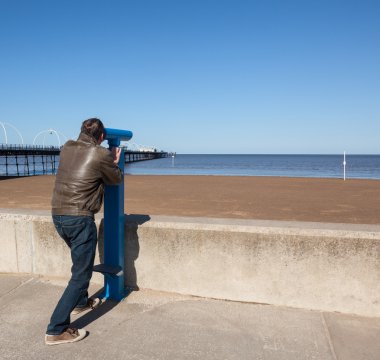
(80, 234)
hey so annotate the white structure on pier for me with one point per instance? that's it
(49, 132)
(3, 125)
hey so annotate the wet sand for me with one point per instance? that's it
(270, 198)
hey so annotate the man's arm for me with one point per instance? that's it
(110, 171)
(116, 154)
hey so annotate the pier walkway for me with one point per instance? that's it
(28, 160)
(156, 325)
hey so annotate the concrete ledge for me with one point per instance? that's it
(329, 267)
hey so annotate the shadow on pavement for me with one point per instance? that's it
(95, 314)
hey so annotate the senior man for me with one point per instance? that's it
(84, 168)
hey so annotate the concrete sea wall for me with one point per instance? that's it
(330, 267)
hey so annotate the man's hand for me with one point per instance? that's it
(116, 154)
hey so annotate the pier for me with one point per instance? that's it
(30, 160)
(134, 156)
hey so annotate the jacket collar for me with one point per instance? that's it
(87, 138)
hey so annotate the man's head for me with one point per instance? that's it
(95, 128)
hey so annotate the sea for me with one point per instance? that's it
(313, 166)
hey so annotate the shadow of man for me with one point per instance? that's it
(132, 247)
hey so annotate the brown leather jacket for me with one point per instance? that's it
(84, 168)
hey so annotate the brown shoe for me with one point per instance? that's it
(91, 304)
(68, 336)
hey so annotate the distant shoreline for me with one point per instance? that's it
(300, 165)
(268, 165)
(259, 176)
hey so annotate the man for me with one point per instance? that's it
(84, 168)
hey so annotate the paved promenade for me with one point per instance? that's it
(155, 325)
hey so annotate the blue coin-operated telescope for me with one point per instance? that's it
(113, 266)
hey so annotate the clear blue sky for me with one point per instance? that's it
(197, 76)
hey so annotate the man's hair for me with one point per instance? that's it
(93, 127)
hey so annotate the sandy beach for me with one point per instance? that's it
(270, 198)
